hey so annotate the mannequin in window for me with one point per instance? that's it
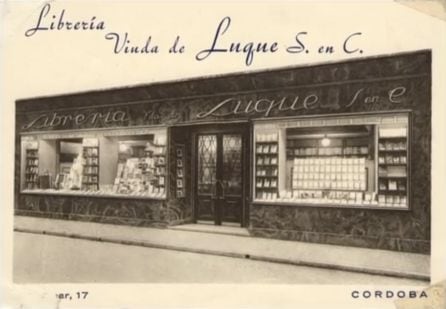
(75, 176)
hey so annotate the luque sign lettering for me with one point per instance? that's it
(264, 107)
(238, 107)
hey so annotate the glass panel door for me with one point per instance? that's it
(219, 177)
(232, 164)
(206, 175)
(207, 163)
(231, 176)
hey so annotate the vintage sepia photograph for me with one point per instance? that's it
(287, 171)
(224, 155)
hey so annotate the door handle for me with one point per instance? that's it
(214, 191)
(215, 195)
(221, 183)
(223, 188)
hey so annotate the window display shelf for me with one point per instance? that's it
(393, 164)
(393, 150)
(328, 189)
(327, 156)
(393, 138)
(321, 204)
(98, 194)
(270, 142)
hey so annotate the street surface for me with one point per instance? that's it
(51, 259)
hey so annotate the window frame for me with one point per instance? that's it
(374, 118)
(27, 137)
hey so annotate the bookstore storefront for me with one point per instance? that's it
(336, 153)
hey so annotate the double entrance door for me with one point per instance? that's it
(220, 175)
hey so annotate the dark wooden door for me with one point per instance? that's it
(219, 176)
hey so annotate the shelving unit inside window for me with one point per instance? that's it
(393, 171)
(32, 166)
(90, 174)
(267, 166)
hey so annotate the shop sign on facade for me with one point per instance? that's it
(278, 103)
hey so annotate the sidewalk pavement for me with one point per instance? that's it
(233, 243)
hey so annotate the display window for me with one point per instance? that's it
(353, 161)
(113, 162)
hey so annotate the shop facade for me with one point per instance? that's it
(337, 153)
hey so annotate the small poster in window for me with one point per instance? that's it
(392, 185)
(180, 173)
(179, 183)
(259, 184)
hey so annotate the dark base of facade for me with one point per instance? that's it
(394, 244)
(266, 222)
(384, 243)
(131, 212)
(92, 218)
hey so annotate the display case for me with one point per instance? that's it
(353, 161)
(120, 163)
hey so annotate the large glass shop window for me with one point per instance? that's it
(104, 163)
(356, 161)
